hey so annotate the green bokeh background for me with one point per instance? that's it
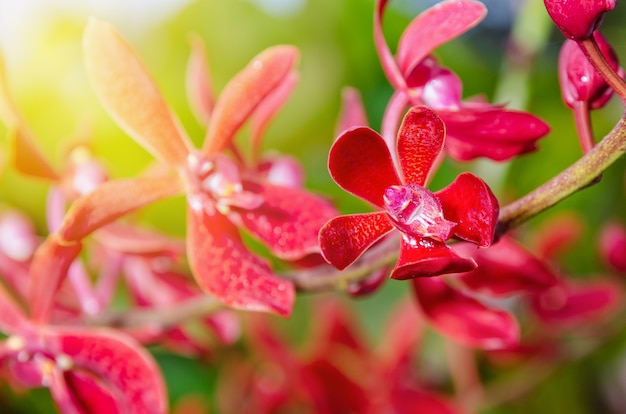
(335, 40)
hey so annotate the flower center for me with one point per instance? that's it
(215, 183)
(416, 211)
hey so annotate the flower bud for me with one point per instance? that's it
(580, 82)
(578, 19)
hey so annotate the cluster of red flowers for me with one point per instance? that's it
(469, 279)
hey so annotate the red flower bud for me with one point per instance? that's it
(580, 82)
(577, 19)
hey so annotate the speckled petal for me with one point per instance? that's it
(420, 141)
(244, 92)
(128, 369)
(434, 27)
(469, 202)
(225, 268)
(344, 238)
(465, 319)
(361, 164)
(288, 221)
(427, 257)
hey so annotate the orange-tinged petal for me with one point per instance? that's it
(8, 113)
(27, 158)
(129, 94)
(112, 200)
(244, 93)
(198, 83)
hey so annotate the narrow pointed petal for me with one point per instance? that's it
(198, 83)
(469, 202)
(130, 96)
(135, 240)
(113, 199)
(434, 27)
(464, 319)
(495, 133)
(267, 109)
(128, 369)
(387, 60)
(47, 271)
(244, 92)
(420, 141)
(352, 111)
(27, 158)
(225, 268)
(91, 393)
(9, 114)
(12, 317)
(343, 239)
(288, 221)
(361, 164)
(504, 269)
(427, 257)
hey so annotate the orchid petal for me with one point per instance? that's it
(130, 96)
(113, 199)
(505, 268)
(469, 202)
(245, 92)
(426, 257)
(465, 319)
(27, 158)
(361, 164)
(434, 27)
(493, 133)
(47, 271)
(352, 111)
(343, 239)
(120, 362)
(613, 246)
(197, 82)
(420, 141)
(12, 317)
(267, 109)
(223, 267)
(89, 392)
(384, 54)
(288, 221)
(8, 112)
(134, 240)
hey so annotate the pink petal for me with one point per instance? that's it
(404, 400)
(434, 27)
(288, 221)
(130, 96)
(613, 246)
(90, 393)
(368, 285)
(337, 329)
(343, 239)
(469, 202)
(134, 240)
(360, 163)
(352, 111)
(225, 268)
(12, 317)
(267, 109)
(505, 268)
(197, 82)
(570, 305)
(428, 257)
(47, 271)
(420, 141)
(493, 133)
(114, 199)
(464, 319)
(244, 92)
(128, 369)
(384, 54)
(556, 236)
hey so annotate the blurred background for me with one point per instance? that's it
(41, 44)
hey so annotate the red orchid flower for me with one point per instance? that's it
(93, 370)
(360, 163)
(578, 19)
(219, 198)
(475, 129)
(613, 246)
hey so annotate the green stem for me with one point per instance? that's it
(578, 176)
